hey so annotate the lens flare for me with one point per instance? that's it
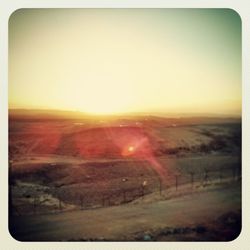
(126, 142)
(131, 148)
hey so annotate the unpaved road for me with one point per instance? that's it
(117, 223)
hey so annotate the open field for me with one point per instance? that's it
(212, 215)
(116, 168)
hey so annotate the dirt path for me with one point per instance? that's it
(117, 223)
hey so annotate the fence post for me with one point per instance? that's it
(143, 185)
(205, 179)
(124, 196)
(192, 179)
(221, 176)
(34, 205)
(103, 201)
(160, 186)
(176, 182)
(60, 205)
(142, 188)
(81, 201)
(59, 201)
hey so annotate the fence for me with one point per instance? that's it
(174, 185)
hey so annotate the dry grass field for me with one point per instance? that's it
(60, 164)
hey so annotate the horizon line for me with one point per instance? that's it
(154, 113)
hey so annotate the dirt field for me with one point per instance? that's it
(63, 166)
(211, 215)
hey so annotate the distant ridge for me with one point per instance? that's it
(45, 113)
(49, 114)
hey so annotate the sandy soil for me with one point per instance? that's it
(126, 221)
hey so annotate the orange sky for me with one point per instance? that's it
(122, 60)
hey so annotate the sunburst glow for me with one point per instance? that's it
(131, 149)
(109, 61)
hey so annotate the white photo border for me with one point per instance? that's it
(7, 7)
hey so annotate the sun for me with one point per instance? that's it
(104, 105)
(131, 148)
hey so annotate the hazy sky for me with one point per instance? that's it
(126, 60)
